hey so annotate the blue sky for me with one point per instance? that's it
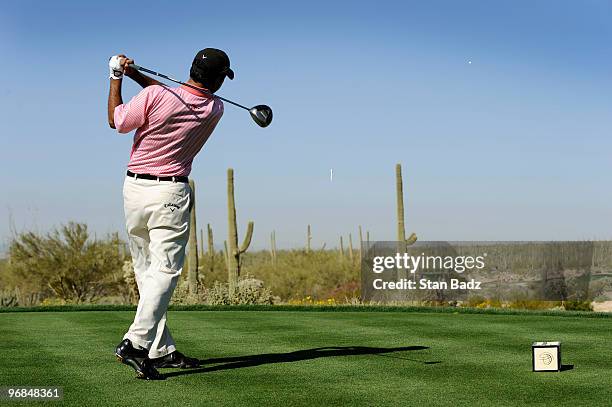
(514, 146)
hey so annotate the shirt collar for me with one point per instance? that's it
(194, 91)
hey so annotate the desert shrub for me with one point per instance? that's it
(131, 294)
(297, 274)
(578, 305)
(67, 264)
(4, 281)
(533, 304)
(8, 298)
(343, 292)
(320, 274)
(183, 296)
(473, 301)
(249, 291)
(308, 300)
(212, 269)
(478, 301)
(14, 297)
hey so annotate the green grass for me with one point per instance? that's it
(315, 308)
(290, 358)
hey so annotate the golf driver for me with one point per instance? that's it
(261, 114)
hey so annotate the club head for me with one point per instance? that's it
(262, 115)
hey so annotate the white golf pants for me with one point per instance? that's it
(157, 222)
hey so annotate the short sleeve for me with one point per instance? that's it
(132, 115)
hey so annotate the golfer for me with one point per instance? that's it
(172, 125)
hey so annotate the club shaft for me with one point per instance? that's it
(161, 75)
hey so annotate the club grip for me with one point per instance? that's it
(141, 69)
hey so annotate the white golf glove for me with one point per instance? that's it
(115, 67)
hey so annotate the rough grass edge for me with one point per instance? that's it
(318, 308)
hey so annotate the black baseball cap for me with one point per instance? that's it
(212, 62)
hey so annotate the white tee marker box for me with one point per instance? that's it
(546, 356)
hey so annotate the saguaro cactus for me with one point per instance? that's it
(273, 247)
(308, 239)
(192, 276)
(201, 242)
(226, 255)
(360, 244)
(399, 188)
(211, 248)
(350, 248)
(341, 248)
(235, 251)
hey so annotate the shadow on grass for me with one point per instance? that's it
(566, 367)
(237, 362)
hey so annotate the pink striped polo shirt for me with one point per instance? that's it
(172, 125)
